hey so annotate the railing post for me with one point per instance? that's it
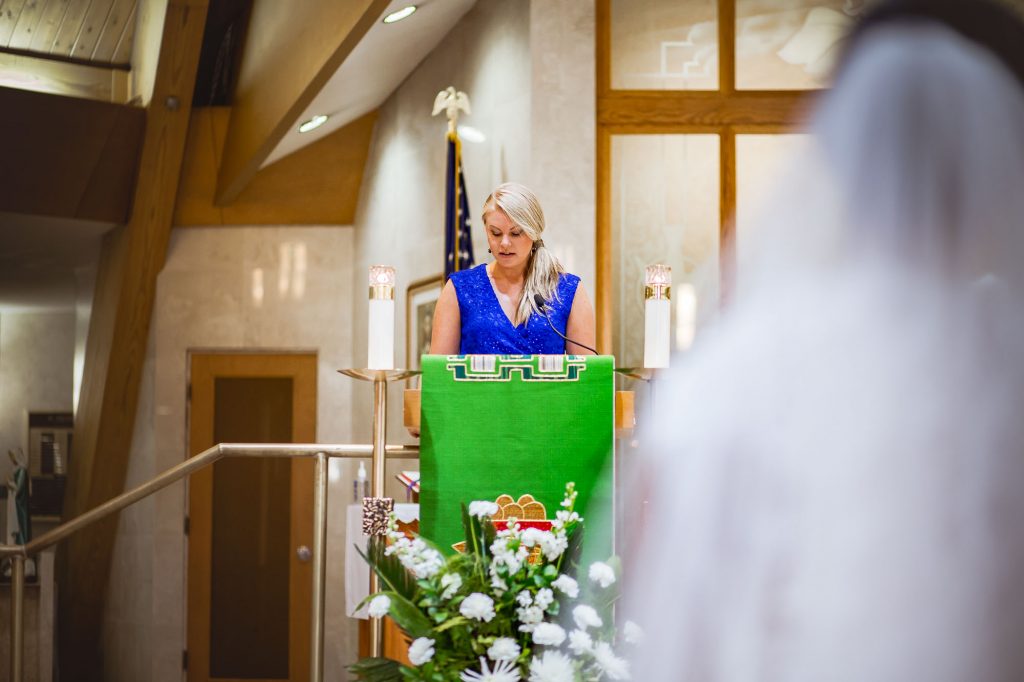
(17, 617)
(319, 567)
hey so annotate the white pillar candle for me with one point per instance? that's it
(657, 316)
(380, 331)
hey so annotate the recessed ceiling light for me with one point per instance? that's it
(313, 123)
(400, 14)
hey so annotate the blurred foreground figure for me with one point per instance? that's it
(835, 488)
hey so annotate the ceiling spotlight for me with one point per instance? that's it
(313, 123)
(400, 14)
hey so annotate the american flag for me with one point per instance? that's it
(458, 239)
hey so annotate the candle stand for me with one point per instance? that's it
(645, 374)
(376, 507)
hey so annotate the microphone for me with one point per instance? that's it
(542, 304)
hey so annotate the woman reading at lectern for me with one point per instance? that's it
(504, 307)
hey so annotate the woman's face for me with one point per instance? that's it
(508, 243)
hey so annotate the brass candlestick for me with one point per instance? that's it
(377, 504)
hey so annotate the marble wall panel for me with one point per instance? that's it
(127, 620)
(563, 129)
(37, 351)
(206, 301)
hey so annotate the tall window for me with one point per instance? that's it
(697, 103)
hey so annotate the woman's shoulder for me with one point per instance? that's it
(567, 280)
(462, 276)
(469, 273)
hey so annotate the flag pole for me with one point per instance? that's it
(458, 193)
(451, 101)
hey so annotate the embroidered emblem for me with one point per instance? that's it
(526, 512)
(529, 367)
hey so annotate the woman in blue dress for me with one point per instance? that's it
(493, 308)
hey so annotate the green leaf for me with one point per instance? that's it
(376, 670)
(471, 528)
(409, 617)
(458, 620)
(569, 562)
(479, 534)
(389, 568)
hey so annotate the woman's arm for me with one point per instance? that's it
(581, 326)
(446, 334)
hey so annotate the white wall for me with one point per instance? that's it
(205, 300)
(36, 358)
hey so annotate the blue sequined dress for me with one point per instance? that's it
(487, 330)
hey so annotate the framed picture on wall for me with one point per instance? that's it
(420, 299)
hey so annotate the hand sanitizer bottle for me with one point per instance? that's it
(360, 485)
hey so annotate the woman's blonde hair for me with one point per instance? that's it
(542, 269)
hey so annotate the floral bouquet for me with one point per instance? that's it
(508, 609)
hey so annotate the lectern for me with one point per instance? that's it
(514, 429)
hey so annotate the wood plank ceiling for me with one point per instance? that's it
(96, 32)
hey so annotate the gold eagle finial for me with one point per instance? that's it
(451, 101)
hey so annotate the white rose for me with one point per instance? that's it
(580, 642)
(530, 614)
(503, 649)
(421, 651)
(614, 667)
(477, 606)
(548, 634)
(632, 632)
(553, 666)
(586, 617)
(553, 545)
(482, 508)
(379, 606)
(602, 573)
(544, 598)
(450, 582)
(567, 586)
(532, 536)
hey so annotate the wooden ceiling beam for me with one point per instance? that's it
(316, 185)
(75, 158)
(132, 257)
(291, 51)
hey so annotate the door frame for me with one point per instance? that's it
(204, 366)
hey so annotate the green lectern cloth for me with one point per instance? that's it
(515, 425)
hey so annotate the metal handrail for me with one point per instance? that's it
(322, 452)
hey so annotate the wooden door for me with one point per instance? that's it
(249, 589)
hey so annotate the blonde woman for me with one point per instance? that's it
(499, 307)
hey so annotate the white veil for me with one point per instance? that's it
(834, 483)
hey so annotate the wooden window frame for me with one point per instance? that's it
(725, 112)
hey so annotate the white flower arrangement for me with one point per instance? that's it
(499, 612)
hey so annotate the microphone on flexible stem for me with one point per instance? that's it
(542, 305)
